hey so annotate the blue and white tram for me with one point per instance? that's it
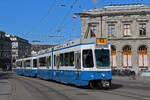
(26, 66)
(18, 67)
(78, 63)
(44, 70)
(29, 66)
(83, 64)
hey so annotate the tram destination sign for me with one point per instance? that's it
(101, 40)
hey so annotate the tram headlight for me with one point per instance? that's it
(103, 75)
(76, 73)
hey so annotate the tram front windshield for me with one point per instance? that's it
(88, 58)
(102, 58)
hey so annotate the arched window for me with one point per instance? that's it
(142, 51)
(127, 56)
(113, 57)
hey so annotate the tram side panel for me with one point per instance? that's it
(44, 70)
(65, 72)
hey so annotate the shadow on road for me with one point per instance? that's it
(115, 86)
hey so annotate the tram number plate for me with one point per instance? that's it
(101, 46)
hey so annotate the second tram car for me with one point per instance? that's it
(78, 63)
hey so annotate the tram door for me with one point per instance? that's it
(57, 67)
(77, 64)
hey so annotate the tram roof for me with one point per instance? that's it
(68, 44)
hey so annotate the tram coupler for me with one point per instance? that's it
(106, 83)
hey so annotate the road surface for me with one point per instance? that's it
(15, 87)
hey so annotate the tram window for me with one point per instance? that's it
(42, 61)
(27, 63)
(61, 63)
(66, 59)
(21, 64)
(87, 58)
(49, 60)
(54, 60)
(57, 61)
(34, 63)
(78, 60)
(18, 64)
(24, 64)
(102, 58)
(71, 59)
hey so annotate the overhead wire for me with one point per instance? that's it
(66, 15)
(46, 14)
(49, 10)
(68, 12)
(61, 24)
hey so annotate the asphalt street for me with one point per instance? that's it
(15, 87)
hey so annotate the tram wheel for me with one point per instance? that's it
(99, 84)
(93, 85)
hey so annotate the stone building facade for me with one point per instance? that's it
(36, 48)
(128, 29)
(21, 48)
(5, 51)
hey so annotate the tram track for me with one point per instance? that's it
(28, 86)
(48, 89)
(31, 92)
(123, 93)
(128, 95)
(135, 85)
(37, 84)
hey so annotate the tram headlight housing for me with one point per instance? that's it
(103, 75)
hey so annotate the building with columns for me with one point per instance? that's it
(128, 29)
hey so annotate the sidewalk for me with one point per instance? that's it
(5, 88)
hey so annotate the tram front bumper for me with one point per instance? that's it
(105, 83)
(93, 75)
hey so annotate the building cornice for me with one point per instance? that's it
(130, 38)
(113, 13)
(117, 11)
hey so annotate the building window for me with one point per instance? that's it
(14, 45)
(142, 29)
(127, 55)
(113, 57)
(126, 30)
(91, 30)
(111, 29)
(143, 61)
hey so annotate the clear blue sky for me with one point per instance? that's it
(30, 18)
